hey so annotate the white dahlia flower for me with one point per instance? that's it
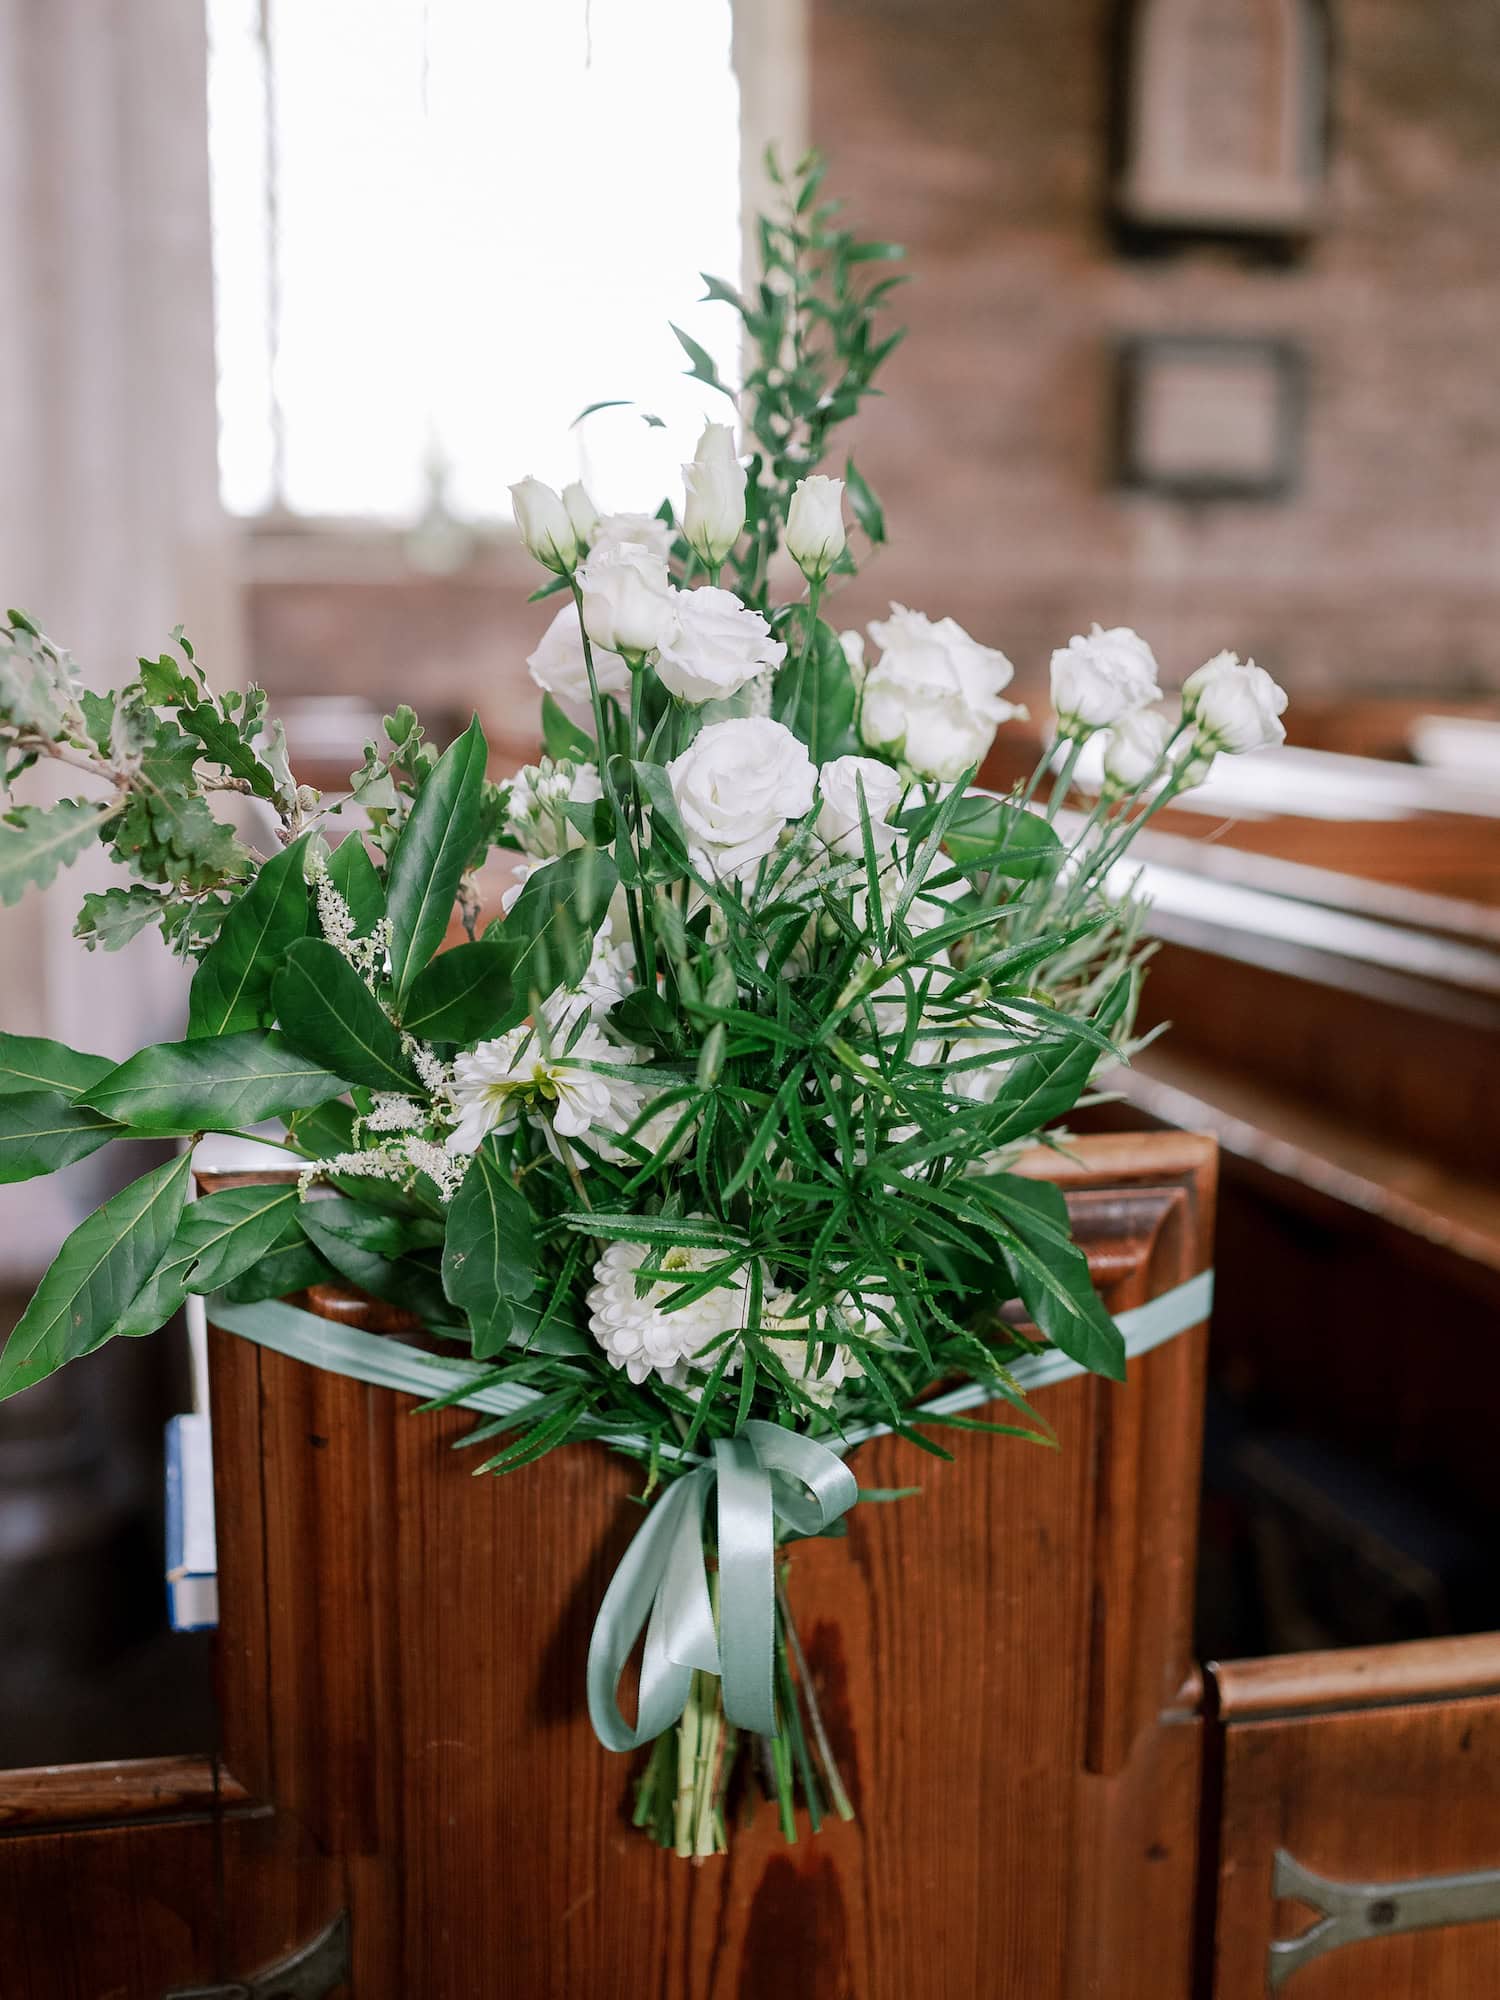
(638, 1335)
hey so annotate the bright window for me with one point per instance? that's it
(443, 226)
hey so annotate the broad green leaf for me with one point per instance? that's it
(462, 994)
(1052, 1273)
(280, 1272)
(217, 1240)
(220, 1085)
(36, 841)
(561, 737)
(42, 1130)
(435, 844)
(867, 509)
(992, 836)
(358, 1243)
(357, 880)
(96, 1276)
(325, 1130)
(489, 1255)
(326, 1010)
(231, 989)
(32, 1062)
(1043, 1084)
(815, 696)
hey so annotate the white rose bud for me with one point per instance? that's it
(558, 663)
(1235, 707)
(646, 531)
(838, 822)
(736, 786)
(852, 646)
(1133, 748)
(718, 645)
(932, 698)
(627, 599)
(714, 483)
(1098, 679)
(545, 528)
(581, 510)
(815, 525)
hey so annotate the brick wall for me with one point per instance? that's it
(976, 131)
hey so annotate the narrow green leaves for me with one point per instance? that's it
(815, 695)
(1046, 1082)
(327, 1012)
(95, 1277)
(435, 845)
(221, 1085)
(36, 841)
(231, 989)
(42, 1130)
(489, 1256)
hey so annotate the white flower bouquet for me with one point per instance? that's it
(702, 1151)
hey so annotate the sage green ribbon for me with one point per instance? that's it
(762, 1476)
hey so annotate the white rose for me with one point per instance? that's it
(736, 786)
(646, 531)
(815, 524)
(558, 664)
(715, 487)
(718, 644)
(1235, 707)
(1096, 680)
(838, 822)
(543, 522)
(627, 598)
(1133, 748)
(932, 698)
(852, 646)
(581, 511)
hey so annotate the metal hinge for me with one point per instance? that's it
(1354, 1911)
(311, 1973)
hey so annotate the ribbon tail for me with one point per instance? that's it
(747, 1586)
(655, 1581)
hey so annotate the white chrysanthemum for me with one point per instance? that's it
(832, 1364)
(638, 1335)
(548, 1078)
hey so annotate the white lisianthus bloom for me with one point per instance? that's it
(1133, 747)
(1234, 707)
(852, 645)
(645, 531)
(838, 822)
(1098, 679)
(628, 598)
(714, 483)
(581, 511)
(544, 526)
(558, 664)
(538, 794)
(634, 1330)
(815, 534)
(932, 699)
(736, 786)
(718, 644)
(548, 1078)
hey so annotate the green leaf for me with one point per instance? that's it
(1043, 1084)
(704, 368)
(231, 989)
(326, 1010)
(867, 509)
(280, 1272)
(35, 842)
(31, 1062)
(111, 917)
(42, 1130)
(435, 844)
(561, 736)
(364, 1246)
(357, 880)
(1053, 1273)
(221, 1085)
(96, 1277)
(489, 1256)
(1002, 838)
(462, 995)
(815, 697)
(217, 1240)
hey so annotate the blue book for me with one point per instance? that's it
(192, 1557)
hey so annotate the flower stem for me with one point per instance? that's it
(841, 1801)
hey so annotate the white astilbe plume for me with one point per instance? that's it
(336, 921)
(435, 1076)
(391, 1113)
(399, 1160)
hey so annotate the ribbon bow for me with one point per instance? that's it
(762, 1474)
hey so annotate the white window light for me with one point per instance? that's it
(442, 226)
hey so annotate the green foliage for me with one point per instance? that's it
(231, 989)
(32, 1062)
(42, 1130)
(328, 1013)
(36, 842)
(489, 1250)
(220, 1084)
(436, 844)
